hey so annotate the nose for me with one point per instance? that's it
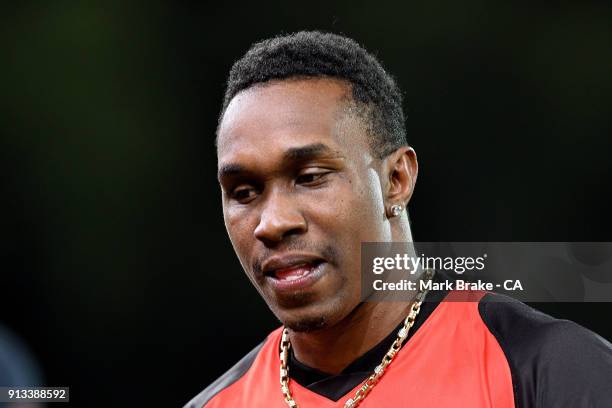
(280, 217)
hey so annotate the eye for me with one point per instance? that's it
(312, 178)
(243, 194)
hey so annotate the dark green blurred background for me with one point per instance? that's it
(116, 271)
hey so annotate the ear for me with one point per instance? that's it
(402, 169)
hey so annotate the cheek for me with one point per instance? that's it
(237, 227)
(352, 212)
(367, 209)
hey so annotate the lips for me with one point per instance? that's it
(293, 272)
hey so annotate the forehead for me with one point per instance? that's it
(285, 114)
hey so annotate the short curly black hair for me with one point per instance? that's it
(317, 54)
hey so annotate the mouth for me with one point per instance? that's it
(293, 273)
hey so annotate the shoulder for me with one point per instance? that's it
(554, 362)
(520, 326)
(227, 379)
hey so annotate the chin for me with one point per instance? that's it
(307, 324)
(314, 317)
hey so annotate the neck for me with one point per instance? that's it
(333, 348)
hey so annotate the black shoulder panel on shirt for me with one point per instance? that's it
(227, 379)
(553, 362)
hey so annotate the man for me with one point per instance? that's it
(313, 161)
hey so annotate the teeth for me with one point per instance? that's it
(297, 272)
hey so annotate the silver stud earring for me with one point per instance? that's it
(396, 210)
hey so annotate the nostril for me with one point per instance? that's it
(268, 232)
(276, 227)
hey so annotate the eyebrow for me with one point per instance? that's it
(307, 152)
(302, 153)
(230, 169)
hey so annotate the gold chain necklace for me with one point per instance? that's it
(373, 379)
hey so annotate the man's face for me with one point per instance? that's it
(301, 190)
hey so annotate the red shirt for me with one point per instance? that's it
(492, 351)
